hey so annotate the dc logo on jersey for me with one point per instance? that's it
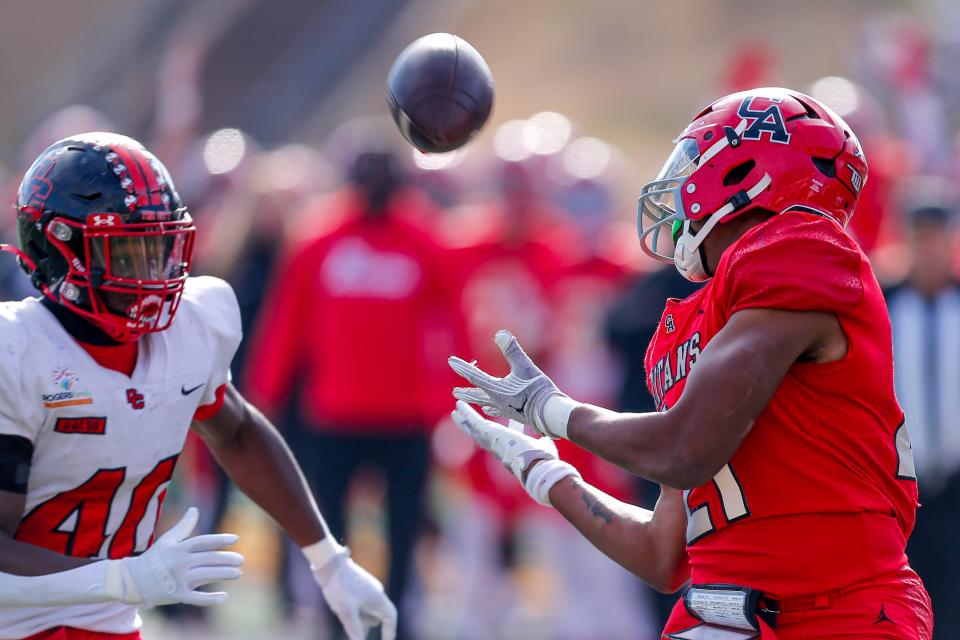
(769, 120)
(135, 399)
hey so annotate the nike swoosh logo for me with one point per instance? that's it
(187, 392)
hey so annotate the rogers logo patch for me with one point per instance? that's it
(91, 426)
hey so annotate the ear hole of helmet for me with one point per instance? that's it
(825, 166)
(737, 174)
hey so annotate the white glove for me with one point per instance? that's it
(526, 394)
(351, 592)
(517, 451)
(171, 570)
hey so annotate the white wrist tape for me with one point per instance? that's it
(556, 414)
(90, 584)
(546, 474)
(319, 554)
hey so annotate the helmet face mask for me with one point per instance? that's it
(103, 233)
(660, 205)
(767, 148)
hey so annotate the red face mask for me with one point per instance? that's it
(128, 278)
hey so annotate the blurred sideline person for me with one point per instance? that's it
(925, 316)
(629, 326)
(508, 260)
(102, 383)
(370, 287)
(578, 358)
(788, 484)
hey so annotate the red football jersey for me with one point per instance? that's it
(822, 491)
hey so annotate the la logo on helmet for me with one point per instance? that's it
(764, 120)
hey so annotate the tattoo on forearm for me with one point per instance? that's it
(596, 507)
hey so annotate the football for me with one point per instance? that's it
(440, 92)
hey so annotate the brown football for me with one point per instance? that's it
(440, 92)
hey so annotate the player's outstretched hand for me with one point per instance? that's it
(517, 451)
(522, 395)
(356, 597)
(513, 448)
(170, 571)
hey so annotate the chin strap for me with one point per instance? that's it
(687, 256)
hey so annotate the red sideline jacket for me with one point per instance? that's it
(360, 318)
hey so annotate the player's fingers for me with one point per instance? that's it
(211, 541)
(352, 625)
(511, 350)
(183, 528)
(475, 425)
(466, 425)
(388, 620)
(205, 598)
(216, 559)
(471, 395)
(467, 413)
(492, 411)
(199, 576)
(473, 374)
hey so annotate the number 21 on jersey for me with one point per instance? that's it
(699, 519)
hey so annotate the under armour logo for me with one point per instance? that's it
(103, 219)
(768, 120)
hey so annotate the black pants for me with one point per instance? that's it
(933, 554)
(332, 459)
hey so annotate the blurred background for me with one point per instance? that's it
(346, 247)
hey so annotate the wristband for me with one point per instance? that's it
(556, 414)
(546, 474)
(319, 554)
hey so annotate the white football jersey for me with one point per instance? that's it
(105, 444)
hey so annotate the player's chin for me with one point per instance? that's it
(145, 308)
(118, 303)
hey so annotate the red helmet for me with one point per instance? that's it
(103, 233)
(768, 148)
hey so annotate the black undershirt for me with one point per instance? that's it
(77, 326)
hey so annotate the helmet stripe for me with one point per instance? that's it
(136, 173)
(146, 167)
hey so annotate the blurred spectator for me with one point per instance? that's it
(888, 156)
(346, 321)
(508, 260)
(897, 54)
(245, 217)
(752, 64)
(14, 283)
(925, 316)
(630, 325)
(580, 362)
(77, 118)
